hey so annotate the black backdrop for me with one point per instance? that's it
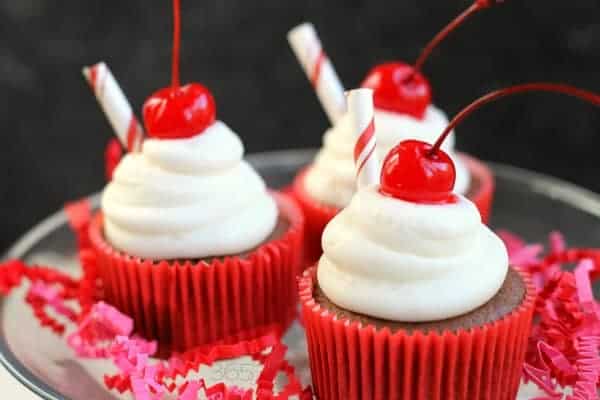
(53, 132)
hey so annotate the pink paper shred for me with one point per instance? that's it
(563, 349)
(104, 332)
(565, 343)
(101, 331)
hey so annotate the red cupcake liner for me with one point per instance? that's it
(350, 361)
(318, 214)
(484, 195)
(186, 305)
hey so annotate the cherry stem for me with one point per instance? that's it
(176, 43)
(475, 7)
(562, 88)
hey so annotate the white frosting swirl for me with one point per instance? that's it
(188, 198)
(331, 178)
(409, 262)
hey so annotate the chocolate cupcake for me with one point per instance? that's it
(509, 297)
(192, 245)
(189, 241)
(413, 301)
(413, 297)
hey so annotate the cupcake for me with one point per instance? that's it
(327, 185)
(193, 246)
(404, 110)
(189, 241)
(413, 297)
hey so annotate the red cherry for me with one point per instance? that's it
(398, 87)
(412, 172)
(181, 112)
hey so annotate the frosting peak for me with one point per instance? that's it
(188, 198)
(217, 148)
(403, 261)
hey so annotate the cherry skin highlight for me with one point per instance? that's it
(412, 173)
(181, 112)
(398, 87)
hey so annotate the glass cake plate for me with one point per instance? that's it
(527, 203)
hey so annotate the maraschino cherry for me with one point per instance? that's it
(178, 112)
(422, 173)
(400, 87)
(410, 173)
(397, 87)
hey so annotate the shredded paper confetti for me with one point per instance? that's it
(562, 358)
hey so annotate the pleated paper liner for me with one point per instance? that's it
(186, 305)
(349, 361)
(483, 195)
(318, 214)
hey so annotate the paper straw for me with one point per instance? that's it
(115, 106)
(360, 108)
(318, 68)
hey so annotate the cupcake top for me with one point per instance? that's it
(331, 178)
(409, 249)
(186, 195)
(403, 110)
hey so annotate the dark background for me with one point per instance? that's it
(53, 132)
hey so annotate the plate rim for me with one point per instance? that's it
(556, 188)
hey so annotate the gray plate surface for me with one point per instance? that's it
(527, 203)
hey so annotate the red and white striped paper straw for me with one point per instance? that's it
(115, 106)
(361, 110)
(318, 68)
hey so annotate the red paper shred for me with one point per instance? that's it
(543, 380)
(101, 326)
(103, 332)
(42, 296)
(565, 342)
(11, 275)
(147, 380)
(104, 325)
(50, 290)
